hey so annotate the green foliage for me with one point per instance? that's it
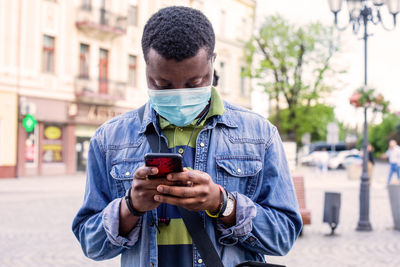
(292, 63)
(313, 119)
(379, 135)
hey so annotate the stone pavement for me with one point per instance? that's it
(381, 247)
(35, 222)
(37, 212)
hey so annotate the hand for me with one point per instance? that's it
(200, 192)
(144, 189)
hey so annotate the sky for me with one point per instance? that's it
(383, 53)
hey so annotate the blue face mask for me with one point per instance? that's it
(180, 106)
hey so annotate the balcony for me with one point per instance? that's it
(99, 91)
(100, 23)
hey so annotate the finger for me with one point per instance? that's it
(175, 200)
(144, 171)
(196, 177)
(151, 184)
(178, 191)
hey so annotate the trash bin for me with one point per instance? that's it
(394, 197)
(354, 171)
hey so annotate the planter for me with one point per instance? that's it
(394, 197)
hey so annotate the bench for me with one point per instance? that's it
(298, 182)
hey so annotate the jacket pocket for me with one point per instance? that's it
(238, 173)
(122, 173)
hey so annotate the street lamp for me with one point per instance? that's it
(362, 12)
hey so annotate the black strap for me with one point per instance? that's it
(192, 220)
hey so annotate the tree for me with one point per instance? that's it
(379, 135)
(293, 62)
(315, 122)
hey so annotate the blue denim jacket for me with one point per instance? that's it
(240, 150)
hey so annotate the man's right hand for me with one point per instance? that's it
(144, 189)
(142, 197)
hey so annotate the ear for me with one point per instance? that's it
(214, 56)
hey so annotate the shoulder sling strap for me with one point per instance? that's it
(192, 220)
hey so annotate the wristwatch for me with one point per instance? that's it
(230, 205)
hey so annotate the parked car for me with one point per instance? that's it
(344, 158)
(308, 154)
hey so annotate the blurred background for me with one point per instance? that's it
(67, 66)
(72, 65)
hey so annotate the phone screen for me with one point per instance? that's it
(165, 162)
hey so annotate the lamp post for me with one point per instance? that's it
(361, 13)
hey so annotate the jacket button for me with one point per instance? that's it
(127, 173)
(201, 144)
(200, 261)
(239, 170)
(180, 150)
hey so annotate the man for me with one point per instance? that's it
(393, 155)
(226, 150)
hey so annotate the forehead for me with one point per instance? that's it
(157, 65)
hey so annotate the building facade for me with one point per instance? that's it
(72, 65)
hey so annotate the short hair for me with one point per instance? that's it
(178, 33)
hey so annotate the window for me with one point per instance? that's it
(31, 148)
(52, 143)
(132, 71)
(86, 5)
(84, 61)
(133, 15)
(48, 54)
(103, 71)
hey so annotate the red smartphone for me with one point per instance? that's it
(165, 162)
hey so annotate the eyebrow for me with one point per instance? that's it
(190, 79)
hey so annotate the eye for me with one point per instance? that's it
(195, 83)
(162, 85)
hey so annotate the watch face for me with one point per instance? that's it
(229, 206)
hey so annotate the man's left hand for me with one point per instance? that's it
(200, 192)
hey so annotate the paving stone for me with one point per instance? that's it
(37, 213)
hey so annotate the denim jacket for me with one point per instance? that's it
(240, 150)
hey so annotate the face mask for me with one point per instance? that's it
(180, 106)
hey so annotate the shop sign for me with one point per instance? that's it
(29, 123)
(52, 143)
(52, 133)
(101, 114)
(52, 153)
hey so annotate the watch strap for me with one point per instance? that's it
(229, 197)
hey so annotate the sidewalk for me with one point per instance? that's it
(37, 212)
(381, 247)
(35, 222)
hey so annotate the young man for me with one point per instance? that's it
(227, 150)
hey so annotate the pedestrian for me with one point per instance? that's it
(236, 177)
(321, 161)
(393, 155)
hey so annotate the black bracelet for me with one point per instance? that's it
(129, 204)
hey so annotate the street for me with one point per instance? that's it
(37, 213)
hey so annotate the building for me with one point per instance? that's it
(72, 65)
